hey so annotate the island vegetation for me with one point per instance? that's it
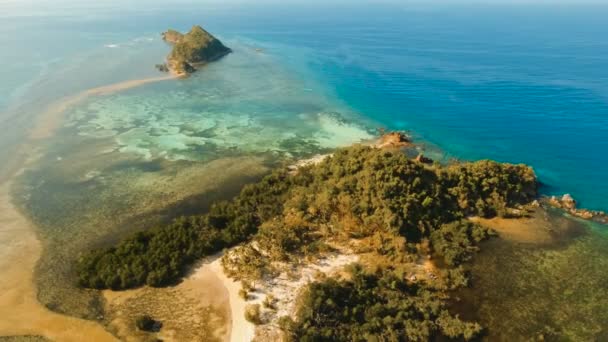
(379, 306)
(399, 208)
(190, 50)
(147, 323)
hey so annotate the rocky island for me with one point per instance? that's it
(192, 50)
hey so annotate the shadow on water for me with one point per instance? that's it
(79, 206)
(547, 291)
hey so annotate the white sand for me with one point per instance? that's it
(316, 159)
(284, 289)
(241, 329)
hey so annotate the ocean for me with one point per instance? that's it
(514, 83)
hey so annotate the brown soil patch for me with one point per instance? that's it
(195, 310)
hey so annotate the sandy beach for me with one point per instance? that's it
(20, 310)
(196, 309)
(534, 229)
(241, 330)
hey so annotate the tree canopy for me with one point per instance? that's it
(195, 47)
(374, 307)
(357, 192)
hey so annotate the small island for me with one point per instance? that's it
(191, 50)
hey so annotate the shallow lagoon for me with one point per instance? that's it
(138, 158)
(549, 286)
(246, 103)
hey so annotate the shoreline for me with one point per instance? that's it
(21, 312)
(26, 315)
(195, 309)
(20, 309)
(240, 329)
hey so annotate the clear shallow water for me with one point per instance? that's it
(552, 292)
(513, 83)
(246, 103)
(519, 84)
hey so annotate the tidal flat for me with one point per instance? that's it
(544, 278)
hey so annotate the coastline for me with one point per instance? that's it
(20, 310)
(240, 329)
(22, 313)
(195, 309)
(54, 325)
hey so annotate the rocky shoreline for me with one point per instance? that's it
(569, 205)
(565, 202)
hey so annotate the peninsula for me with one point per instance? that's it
(394, 230)
(192, 50)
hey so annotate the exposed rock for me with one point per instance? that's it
(583, 213)
(567, 203)
(424, 160)
(393, 139)
(162, 67)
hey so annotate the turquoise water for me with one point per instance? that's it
(513, 83)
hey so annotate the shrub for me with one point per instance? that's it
(244, 294)
(374, 307)
(269, 302)
(358, 192)
(147, 323)
(252, 313)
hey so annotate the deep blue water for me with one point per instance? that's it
(516, 84)
(520, 83)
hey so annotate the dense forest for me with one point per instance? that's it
(355, 193)
(160, 256)
(379, 306)
(401, 209)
